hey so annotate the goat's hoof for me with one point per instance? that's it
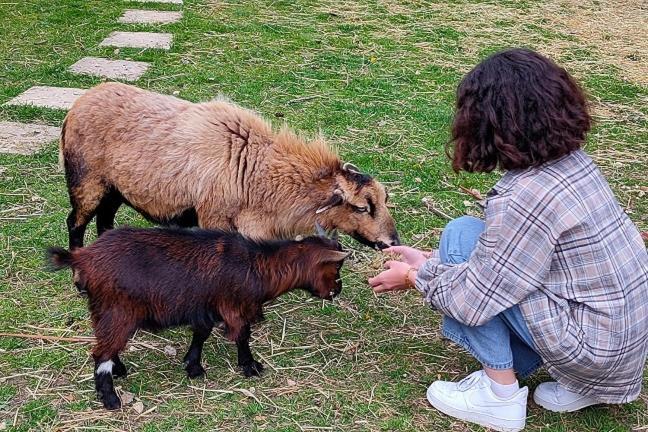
(111, 401)
(194, 370)
(252, 369)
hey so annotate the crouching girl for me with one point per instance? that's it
(557, 275)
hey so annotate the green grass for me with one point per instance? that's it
(380, 79)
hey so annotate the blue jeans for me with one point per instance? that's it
(504, 342)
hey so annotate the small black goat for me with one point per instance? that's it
(159, 278)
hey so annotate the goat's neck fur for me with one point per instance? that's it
(303, 175)
(279, 279)
(290, 176)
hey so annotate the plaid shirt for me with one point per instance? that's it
(558, 244)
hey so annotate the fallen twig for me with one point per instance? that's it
(430, 206)
(87, 339)
(303, 99)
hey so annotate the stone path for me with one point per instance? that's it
(115, 69)
(26, 139)
(48, 97)
(138, 40)
(136, 16)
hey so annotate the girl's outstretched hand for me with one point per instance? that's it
(409, 255)
(397, 277)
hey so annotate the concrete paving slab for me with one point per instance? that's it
(48, 97)
(25, 138)
(138, 40)
(114, 69)
(136, 16)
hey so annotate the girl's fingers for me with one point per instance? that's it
(395, 249)
(379, 289)
(375, 281)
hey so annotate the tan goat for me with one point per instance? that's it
(211, 164)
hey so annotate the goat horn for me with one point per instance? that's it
(351, 168)
(319, 230)
(333, 201)
(323, 209)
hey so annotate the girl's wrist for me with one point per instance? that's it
(410, 282)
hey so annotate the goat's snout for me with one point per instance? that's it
(393, 240)
(332, 294)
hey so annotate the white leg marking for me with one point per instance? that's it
(105, 367)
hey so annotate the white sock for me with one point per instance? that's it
(504, 391)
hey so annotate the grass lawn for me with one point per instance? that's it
(377, 78)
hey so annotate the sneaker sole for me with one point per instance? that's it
(482, 419)
(574, 406)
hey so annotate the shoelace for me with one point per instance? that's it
(469, 381)
(560, 392)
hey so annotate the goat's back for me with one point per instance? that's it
(175, 268)
(163, 154)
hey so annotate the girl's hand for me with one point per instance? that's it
(394, 278)
(413, 257)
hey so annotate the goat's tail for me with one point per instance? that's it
(59, 258)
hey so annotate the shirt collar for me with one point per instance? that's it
(507, 181)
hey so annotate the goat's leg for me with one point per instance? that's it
(246, 361)
(192, 358)
(112, 337)
(77, 221)
(103, 377)
(85, 197)
(107, 210)
(119, 369)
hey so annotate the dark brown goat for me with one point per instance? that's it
(160, 278)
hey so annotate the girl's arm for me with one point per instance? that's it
(510, 261)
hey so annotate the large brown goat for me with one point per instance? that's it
(212, 164)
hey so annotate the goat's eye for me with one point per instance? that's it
(362, 209)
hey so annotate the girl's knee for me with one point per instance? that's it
(465, 223)
(459, 238)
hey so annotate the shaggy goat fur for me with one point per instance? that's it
(211, 164)
(160, 278)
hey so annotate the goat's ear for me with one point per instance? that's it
(334, 256)
(335, 200)
(319, 230)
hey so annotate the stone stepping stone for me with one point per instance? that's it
(158, 1)
(138, 40)
(114, 69)
(25, 139)
(48, 97)
(136, 16)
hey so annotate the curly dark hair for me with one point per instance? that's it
(517, 109)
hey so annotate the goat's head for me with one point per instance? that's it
(325, 257)
(357, 205)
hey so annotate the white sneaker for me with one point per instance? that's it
(472, 400)
(554, 397)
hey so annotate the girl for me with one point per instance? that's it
(557, 275)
